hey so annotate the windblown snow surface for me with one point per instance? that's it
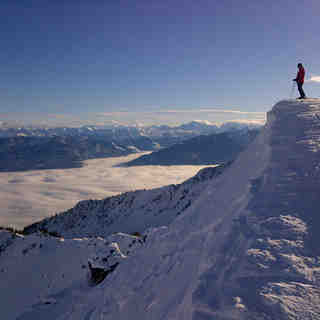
(247, 248)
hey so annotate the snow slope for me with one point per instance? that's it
(129, 212)
(246, 248)
(41, 274)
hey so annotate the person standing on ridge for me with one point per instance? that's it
(300, 80)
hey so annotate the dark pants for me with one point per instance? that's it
(302, 94)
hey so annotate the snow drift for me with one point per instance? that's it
(245, 249)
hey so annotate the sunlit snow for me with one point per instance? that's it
(26, 197)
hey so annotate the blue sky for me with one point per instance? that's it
(80, 57)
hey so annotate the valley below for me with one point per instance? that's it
(26, 197)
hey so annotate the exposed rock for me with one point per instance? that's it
(99, 274)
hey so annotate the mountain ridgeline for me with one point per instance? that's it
(60, 152)
(202, 150)
(130, 212)
(236, 242)
(58, 148)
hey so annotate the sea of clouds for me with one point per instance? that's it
(26, 197)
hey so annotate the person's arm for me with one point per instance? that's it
(296, 78)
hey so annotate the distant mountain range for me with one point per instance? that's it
(60, 152)
(58, 148)
(201, 150)
(120, 132)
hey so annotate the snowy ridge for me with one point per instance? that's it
(129, 212)
(41, 273)
(246, 248)
(211, 261)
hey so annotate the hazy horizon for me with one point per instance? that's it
(171, 117)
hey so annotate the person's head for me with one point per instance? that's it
(299, 65)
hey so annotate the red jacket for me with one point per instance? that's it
(300, 75)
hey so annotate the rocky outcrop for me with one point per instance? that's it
(119, 247)
(39, 273)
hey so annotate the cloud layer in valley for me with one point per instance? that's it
(26, 197)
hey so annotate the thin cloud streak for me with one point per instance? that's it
(118, 113)
(255, 122)
(211, 111)
(314, 79)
